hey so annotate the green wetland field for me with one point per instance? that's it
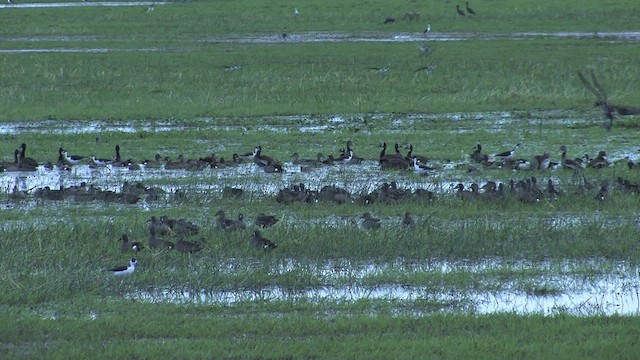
(532, 254)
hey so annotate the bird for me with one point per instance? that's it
(469, 10)
(127, 246)
(506, 155)
(10, 1)
(369, 222)
(460, 12)
(25, 162)
(296, 12)
(260, 242)
(284, 33)
(420, 169)
(389, 20)
(124, 270)
(221, 220)
(603, 192)
(265, 221)
(568, 163)
(428, 29)
(408, 220)
(156, 243)
(100, 162)
(72, 159)
(185, 246)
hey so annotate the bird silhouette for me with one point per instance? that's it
(460, 12)
(428, 29)
(469, 10)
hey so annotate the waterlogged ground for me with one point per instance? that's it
(581, 287)
(616, 291)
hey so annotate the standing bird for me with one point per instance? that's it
(469, 10)
(507, 155)
(124, 270)
(296, 12)
(284, 33)
(460, 12)
(428, 29)
(260, 242)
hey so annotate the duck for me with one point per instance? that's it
(411, 155)
(408, 220)
(259, 242)
(569, 163)
(126, 246)
(222, 221)
(160, 227)
(156, 243)
(469, 10)
(395, 161)
(124, 270)
(369, 222)
(25, 162)
(185, 246)
(265, 221)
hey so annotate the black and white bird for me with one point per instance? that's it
(284, 33)
(460, 12)
(428, 29)
(72, 159)
(124, 270)
(296, 12)
(507, 155)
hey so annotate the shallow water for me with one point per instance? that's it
(616, 292)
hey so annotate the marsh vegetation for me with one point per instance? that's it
(474, 272)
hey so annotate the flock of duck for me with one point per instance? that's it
(478, 161)
(162, 227)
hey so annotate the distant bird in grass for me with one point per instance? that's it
(185, 246)
(265, 221)
(460, 12)
(156, 243)
(260, 242)
(408, 220)
(369, 222)
(124, 270)
(389, 20)
(126, 246)
(296, 12)
(428, 29)
(603, 193)
(284, 33)
(469, 10)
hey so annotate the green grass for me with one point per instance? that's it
(246, 332)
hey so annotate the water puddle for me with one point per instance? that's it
(617, 292)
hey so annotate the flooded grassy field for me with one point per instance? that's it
(236, 180)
